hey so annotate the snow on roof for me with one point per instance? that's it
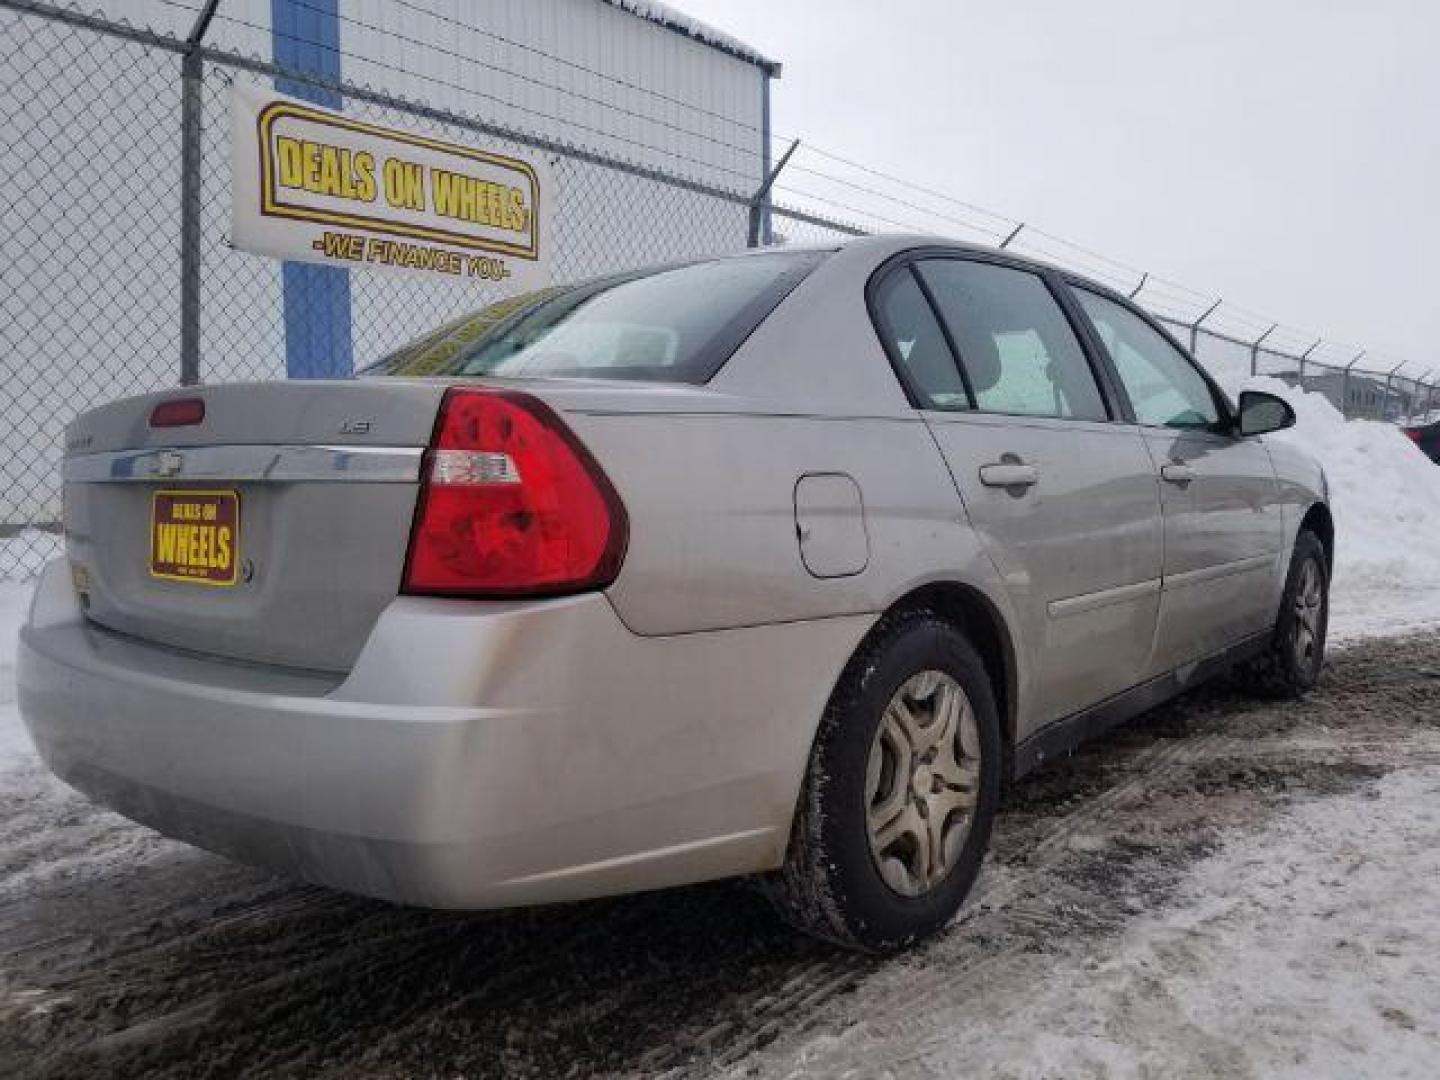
(668, 17)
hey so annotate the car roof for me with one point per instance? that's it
(882, 246)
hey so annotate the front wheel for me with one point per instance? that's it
(1291, 663)
(903, 783)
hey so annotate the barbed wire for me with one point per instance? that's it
(510, 73)
(945, 196)
(1176, 301)
(562, 121)
(577, 66)
(888, 197)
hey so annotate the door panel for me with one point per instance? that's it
(1079, 549)
(1224, 534)
(1219, 498)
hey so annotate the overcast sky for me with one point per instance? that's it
(1282, 153)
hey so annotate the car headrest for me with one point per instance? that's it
(644, 348)
(930, 363)
(981, 355)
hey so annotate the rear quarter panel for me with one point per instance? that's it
(713, 538)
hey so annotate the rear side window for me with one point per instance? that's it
(1016, 345)
(674, 324)
(909, 327)
(1164, 388)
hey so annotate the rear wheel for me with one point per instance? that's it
(900, 795)
(1296, 652)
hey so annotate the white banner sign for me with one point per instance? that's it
(319, 186)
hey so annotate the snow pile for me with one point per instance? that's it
(1385, 496)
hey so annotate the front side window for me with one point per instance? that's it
(1016, 345)
(1164, 387)
(674, 324)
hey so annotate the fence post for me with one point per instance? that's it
(192, 105)
(1195, 327)
(767, 228)
(1300, 374)
(1345, 385)
(1385, 402)
(1412, 401)
(760, 201)
(1255, 350)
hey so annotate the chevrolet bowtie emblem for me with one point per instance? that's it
(167, 463)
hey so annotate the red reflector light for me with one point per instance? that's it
(181, 412)
(511, 503)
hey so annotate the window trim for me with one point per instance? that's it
(925, 291)
(1096, 359)
(891, 268)
(1225, 427)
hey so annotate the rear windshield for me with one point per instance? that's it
(672, 324)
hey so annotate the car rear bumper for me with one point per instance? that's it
(477, 755)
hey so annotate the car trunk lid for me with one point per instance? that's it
(272, 530)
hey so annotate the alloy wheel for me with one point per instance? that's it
(922, 781)
(1309, 616)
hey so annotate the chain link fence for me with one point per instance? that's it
(97, 302)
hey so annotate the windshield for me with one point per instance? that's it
(673, 324)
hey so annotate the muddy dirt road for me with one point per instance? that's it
(122, 954)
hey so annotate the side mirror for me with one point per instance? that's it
(1261, 413)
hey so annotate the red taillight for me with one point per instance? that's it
(1414, 434)
(178, 412)
(511, 504)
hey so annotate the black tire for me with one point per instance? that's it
(1288, 668)
(831, 885)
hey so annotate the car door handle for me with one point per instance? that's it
(1178, 473)
(1009, 475)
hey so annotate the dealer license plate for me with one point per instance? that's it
(195, 536)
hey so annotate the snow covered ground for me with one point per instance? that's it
(1307, 949)
(1294, 951)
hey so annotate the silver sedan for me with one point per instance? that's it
(781, 564)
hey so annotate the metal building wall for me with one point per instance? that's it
(689, 108)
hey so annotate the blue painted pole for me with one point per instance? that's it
(306, 38)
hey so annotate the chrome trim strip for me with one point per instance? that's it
(249, 464)
(1078, 605)
(1220, 570)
